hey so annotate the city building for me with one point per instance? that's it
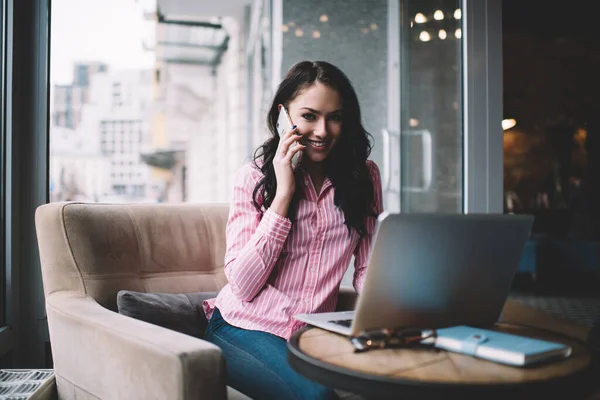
(198, 134)
(116, 120)
(68, 100)
(101, 159)
(78, 171)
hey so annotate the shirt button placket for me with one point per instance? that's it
(314, 255)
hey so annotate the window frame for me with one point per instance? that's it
(7, 293)
(24, 339)
(3, 299)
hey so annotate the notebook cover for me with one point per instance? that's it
(498, 346)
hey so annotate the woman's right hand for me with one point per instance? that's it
(284, 173)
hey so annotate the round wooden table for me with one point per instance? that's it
(330, 359)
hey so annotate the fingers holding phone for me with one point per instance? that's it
(288, 154)
(285, 129)
(290, 147)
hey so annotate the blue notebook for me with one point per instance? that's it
(499, 347)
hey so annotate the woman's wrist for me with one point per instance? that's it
(281, 204)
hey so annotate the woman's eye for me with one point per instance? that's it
(308, 117)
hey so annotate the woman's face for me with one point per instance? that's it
(317, 110)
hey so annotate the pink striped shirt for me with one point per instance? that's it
(276, 269)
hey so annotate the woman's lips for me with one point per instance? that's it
(317, 144)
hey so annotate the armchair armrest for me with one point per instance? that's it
(346, 299)
(111, 356)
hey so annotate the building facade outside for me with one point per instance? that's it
(68, 100)
(112, 134)
(198, 137)
(118, 118)
(78, 171)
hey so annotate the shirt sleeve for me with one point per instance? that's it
(253, 244)
(363, 249)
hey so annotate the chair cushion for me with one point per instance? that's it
(179, 312)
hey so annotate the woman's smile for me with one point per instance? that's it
(318, 145)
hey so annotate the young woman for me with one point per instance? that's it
(292, 232)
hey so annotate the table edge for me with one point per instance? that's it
(300, 361)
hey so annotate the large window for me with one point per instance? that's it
(146, 111)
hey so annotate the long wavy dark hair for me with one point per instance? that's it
(346, 163)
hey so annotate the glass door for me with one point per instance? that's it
(423, 142)
(442, 147)
(428, 75)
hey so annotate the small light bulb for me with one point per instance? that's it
(424, 36)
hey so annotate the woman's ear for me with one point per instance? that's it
(279, 107)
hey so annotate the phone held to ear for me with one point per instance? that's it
(284, 123)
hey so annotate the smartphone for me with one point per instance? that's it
(284, 123)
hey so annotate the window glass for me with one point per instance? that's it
(145, 111)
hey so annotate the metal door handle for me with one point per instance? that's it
(427, 161)
(427, 157)
(387, 160)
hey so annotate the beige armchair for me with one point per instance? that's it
(89, 252)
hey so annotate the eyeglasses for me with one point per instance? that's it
(389, 338)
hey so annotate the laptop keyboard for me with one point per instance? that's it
(343, 322)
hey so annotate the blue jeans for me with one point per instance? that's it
(257, 366)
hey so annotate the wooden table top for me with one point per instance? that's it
(439, 367)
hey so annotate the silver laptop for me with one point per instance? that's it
(434, 271)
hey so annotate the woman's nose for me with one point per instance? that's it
(321, 128)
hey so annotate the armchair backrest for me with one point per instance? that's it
(99, 249)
